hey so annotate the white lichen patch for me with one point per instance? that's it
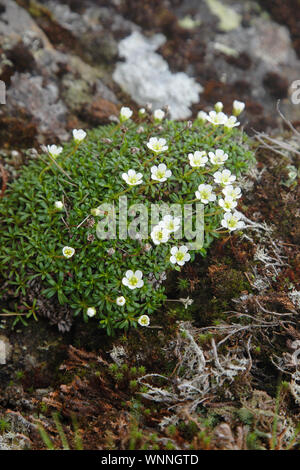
(294, 296)
(229, 19)
(118, 354)
(201, 372)
(146, 76)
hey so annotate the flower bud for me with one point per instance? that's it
(219, 106)
(58, 205)
(238, 107)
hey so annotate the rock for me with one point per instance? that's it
(100, 47)
(100, 110)
(68, 19)
(17, 437)
(265, 51)
(76, 92)
(13, 441)
(14, 19)
(41, 100)
(92, 19)
(50, 88)
(146, 77)
(82, 84)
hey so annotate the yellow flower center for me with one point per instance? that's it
(159, 235)
(180, 256)
(132, 179)
(133, 281)
(160, 174)
(205, 194)
(232, 222)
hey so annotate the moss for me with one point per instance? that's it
(228, 283)
(245, 416)
(188, 430)
(5, 426)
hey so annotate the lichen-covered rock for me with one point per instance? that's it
(41, 101)
(145, 75)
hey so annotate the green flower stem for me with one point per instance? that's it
(70, 154)
(191, 202)
(143, 187)
(150, 159)
(213, 213)
(218, 231)
(200, 174)
(123, 192)
(151, 183)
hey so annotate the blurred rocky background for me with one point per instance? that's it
(72, 63)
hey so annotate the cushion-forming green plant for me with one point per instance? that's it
(51, 214)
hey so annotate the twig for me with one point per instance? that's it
(4, 180)
(286, 120)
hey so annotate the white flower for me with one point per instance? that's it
(91, 312)
(231, 122)
(170, 223)
(160, 234)
(121, 301)
(159, 114)
(232, 221)
(157, 145)
(230, 191)
(142, 111)
(54, 150)
(225, 177)
(179, 255)
(79, 135)
(219, 106)
(68, 251)
(202, 116)
(218, 158)
(197, 159)
(144, 320)
(160, 173)
(58, 205)
(228, 203)
(133, 280)
(132, 178)
(238, 107)
(216, 118)
(205, 193)
(125, 113)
